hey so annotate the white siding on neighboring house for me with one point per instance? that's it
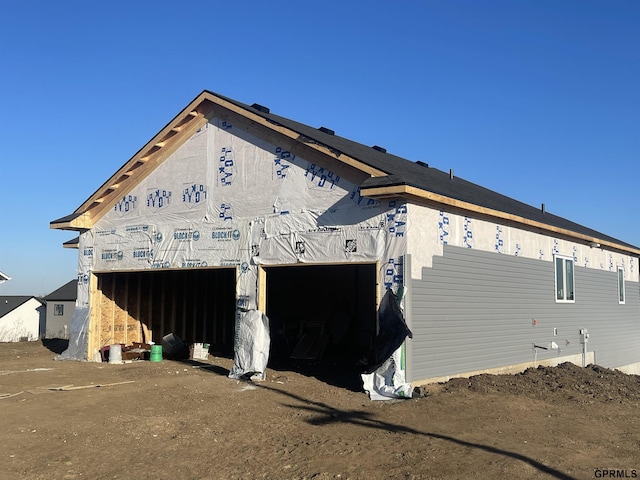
(23, 322)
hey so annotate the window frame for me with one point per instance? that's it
(58, 309)
(564, 261)
(622, 294)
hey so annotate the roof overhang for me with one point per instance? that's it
(203, 108)
(391, 188)
(185, 124)
(207, 105)
(73, 243)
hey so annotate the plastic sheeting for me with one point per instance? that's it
(388, 381)
(385, 378)
(392, 330)
(251, 346)
(78, 336)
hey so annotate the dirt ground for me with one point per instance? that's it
(188, 420)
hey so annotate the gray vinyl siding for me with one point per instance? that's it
(476, 310)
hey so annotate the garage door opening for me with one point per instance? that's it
(322, 319)
(196, 305)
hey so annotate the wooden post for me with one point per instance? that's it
(262, 289)
(95, 301)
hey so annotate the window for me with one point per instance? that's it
(564, 280)
(58, 309)
(620, 285)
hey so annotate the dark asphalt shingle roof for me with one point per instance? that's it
(8, 303)
(406, 172)
(67, 292)
(66, 218)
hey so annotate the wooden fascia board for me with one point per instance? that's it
(80, 223)
(161, 146)
(411, 192)
(167, 141)
(153, 160)
(293, 135)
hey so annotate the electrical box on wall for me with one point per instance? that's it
(584, 336)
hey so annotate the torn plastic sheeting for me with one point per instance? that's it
(78, 331)
(251, 349)
(392, 330)
(385, 378)
(388, 381)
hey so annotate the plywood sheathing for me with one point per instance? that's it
(130, 307)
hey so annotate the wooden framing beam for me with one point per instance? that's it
(262, 289)
(160, 147)
(135, 175)
(95, 301)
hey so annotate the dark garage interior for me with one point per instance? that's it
(196, 305)
(322, 317)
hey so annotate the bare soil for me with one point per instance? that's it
(188, 420)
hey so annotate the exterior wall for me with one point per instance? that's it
(23, 323)
(57, 326)
(482, 309)
(227, 198)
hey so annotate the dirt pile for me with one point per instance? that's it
(566, 382)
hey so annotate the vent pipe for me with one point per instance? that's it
(451, 173)
(543, 209)
(326, 130)
(260, 108)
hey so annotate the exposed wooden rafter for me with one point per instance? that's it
(159, 148)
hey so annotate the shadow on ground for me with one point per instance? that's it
(325, 414)
(56, 345)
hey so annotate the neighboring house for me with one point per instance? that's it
(4, 278)
(21, 318)
(60, 306)
(231, 208)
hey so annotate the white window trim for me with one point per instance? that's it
(564, 271)
(621, 290)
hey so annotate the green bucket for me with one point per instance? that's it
(156, 353)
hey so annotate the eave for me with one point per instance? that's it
(202, 109)
(418, 195)
(73, 243)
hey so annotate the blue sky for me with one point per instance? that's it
(538, 100)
